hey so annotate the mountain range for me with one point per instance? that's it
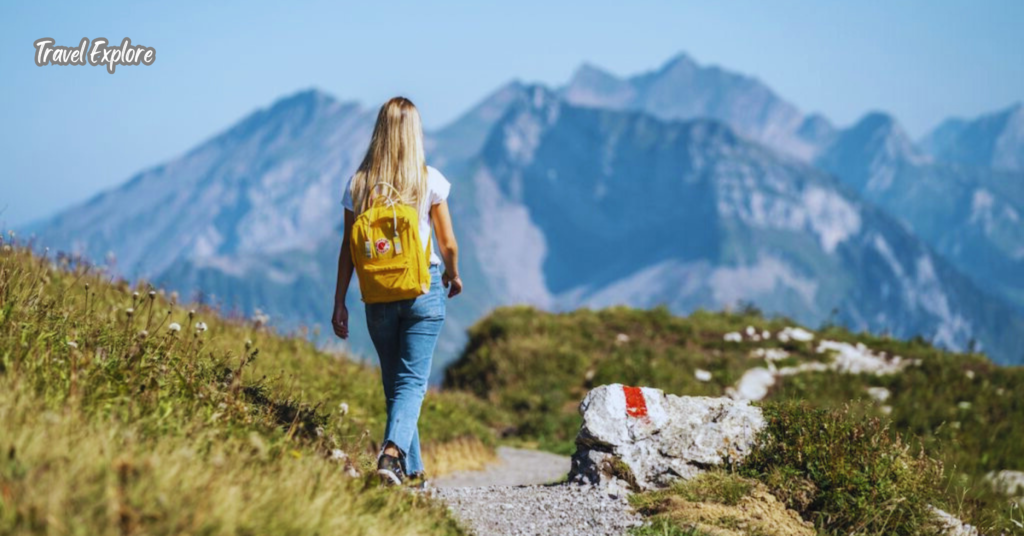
(687, 186)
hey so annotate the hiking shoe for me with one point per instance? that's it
(418, 480)
(389, 468)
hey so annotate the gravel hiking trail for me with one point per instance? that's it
(518, 495)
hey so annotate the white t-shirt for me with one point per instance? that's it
(437, 191)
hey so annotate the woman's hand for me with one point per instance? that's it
(455, 284)
(340, 320)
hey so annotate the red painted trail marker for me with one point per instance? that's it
(636, 406)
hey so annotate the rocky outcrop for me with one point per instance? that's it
(638, 438)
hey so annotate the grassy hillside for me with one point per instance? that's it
(124, 413)
(960, 408)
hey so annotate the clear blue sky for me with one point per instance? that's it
(69, 132)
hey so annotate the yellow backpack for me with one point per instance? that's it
(386, 250)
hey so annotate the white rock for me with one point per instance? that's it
(621, 338)
(751, 331)
(1009, 483)
(769, 354)
(859, 359)
(733, 337)
(754, 384)
(702, 375)
(677, 438)
(950, 525)
(796, 334)
(880, 394)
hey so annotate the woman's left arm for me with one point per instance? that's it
(339, 320)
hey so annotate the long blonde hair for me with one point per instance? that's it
(395, 157)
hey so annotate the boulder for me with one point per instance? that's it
(639, 438)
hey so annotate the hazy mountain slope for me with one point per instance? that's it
(637, 211)
(682, 89)
(971, 215)
(269, 184)
(994, 140)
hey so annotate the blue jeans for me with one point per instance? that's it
(405, 333)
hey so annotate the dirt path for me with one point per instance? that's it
(516, 467)
(515, 497)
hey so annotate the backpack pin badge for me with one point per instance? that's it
(368, 249)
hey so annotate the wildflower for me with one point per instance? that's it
(143, 334)
(129, 311)
(73, 344)
(200, 327)
(174, 327)
(702, 375)
(969, 374)
(343, 409)
(152, 294)
(7, 248)
(319, 431)
(621, 338)
(338, 454)
(965, 405)
(248, 343)
(135, 295)
(10, 233)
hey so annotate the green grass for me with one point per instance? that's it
(113, 423)
(537, 366)
(857, 476)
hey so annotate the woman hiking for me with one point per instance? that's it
(392, 202)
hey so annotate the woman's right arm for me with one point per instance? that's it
(339, 320)
(448, 246)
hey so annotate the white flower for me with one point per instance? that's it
(73, 344)
(200, 326)
(621, 338)
(886, 409)
(750, 330)
(143, 334)
(7, 248)
(129, 311)
(964, 405)
(174, 326)
(702, 375)
(343, 409)
(969, 374)
(152, 294)
(338, 454)
(766, 334)
(135, 294)
(319, 431)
